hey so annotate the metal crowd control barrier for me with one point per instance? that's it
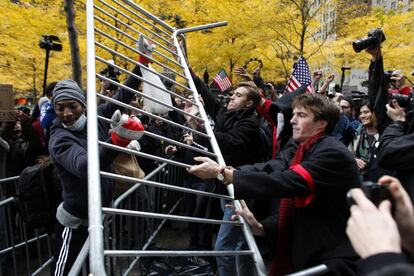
(113, 27)
(23, 251)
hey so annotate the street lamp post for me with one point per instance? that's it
(49, 43)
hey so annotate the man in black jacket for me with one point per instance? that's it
(396, 150)
(238, 136)
(311, 176)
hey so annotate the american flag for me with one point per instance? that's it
(222, 81)
(300, 76)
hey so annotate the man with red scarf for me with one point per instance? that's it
(311, 176)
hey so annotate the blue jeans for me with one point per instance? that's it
(231, 237)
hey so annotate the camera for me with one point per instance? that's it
(375, 192)
(332, 89)
(405, 101)
(374, 38)
(50, 43)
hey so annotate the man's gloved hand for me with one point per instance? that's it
(125, 128)
(146, 48)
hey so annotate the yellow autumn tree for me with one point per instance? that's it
(398, 49)
(22, 63)
(274, 31)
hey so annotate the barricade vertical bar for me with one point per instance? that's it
(96, 257)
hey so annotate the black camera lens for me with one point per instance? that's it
(374, 38)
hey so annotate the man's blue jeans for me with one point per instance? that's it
(231, 237)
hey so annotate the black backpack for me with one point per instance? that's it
(37, 196)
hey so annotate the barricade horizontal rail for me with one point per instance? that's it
(7, 201)
(99, 31)
(153, 116)
(139, 33)
(316, 270)
(137, 185)
(113, 52)
(23, 250)
(113, 211)
(148, 22)
(144, 27)
(120, 85)
(145, 155)
(151, 16)
(161, 185)
(150, 98)
(188, 253)
(141, 78)
(9, 179)
(19, 245)
(168, 140)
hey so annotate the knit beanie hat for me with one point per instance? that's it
(68, 90)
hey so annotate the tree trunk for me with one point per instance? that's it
(73, 42)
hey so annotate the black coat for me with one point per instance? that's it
(396, 152)
(386, 264)
(319, 228)
(237, 131)
(68, 150)
(378, 93)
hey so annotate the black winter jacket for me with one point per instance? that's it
(237, 131)
(396, 152)
(68, 150)
(319, 228)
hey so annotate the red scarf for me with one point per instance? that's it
(282, 263)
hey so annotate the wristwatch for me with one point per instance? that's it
(220, 175)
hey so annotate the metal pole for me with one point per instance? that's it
(343, 69)
(96, 256)
(45, 73)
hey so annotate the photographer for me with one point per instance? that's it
(377, 235)
(378, 82)
(396, 150)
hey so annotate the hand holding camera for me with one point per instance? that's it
(376, 193)
(395, 112)
(403, 211)
(371, 228)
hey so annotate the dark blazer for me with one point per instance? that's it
(319, 228)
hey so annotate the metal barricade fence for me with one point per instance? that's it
(23, 251)
(113, 27)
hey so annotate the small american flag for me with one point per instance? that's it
(300, 76)
(222, 81)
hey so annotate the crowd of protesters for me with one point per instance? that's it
(291, 157)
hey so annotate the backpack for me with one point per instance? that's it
(37, 196)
